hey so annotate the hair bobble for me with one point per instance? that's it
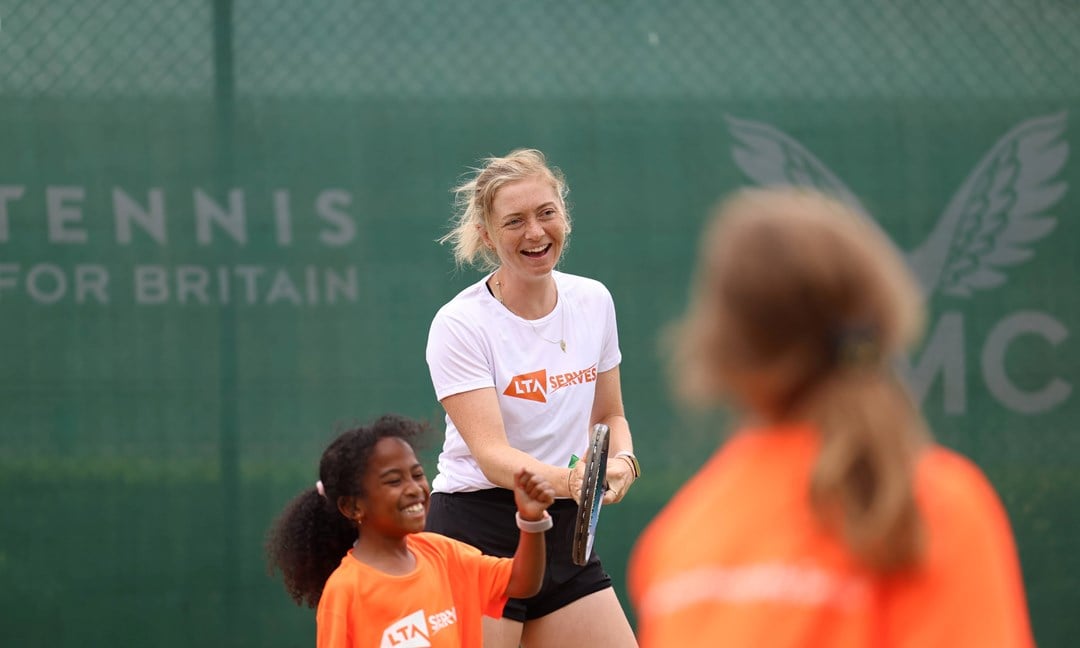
(857, 345)
(319, 487)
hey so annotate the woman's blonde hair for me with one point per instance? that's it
(800, 287)
(474, 197)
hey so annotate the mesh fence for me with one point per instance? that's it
(217, 226)
(778, 49)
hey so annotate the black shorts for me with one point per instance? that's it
(485, 519)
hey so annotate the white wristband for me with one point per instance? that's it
(534, 526)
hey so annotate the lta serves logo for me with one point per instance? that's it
(536, 385)
(992, 222)
(409, 632)
(415, 631)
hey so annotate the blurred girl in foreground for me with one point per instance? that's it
(830, 518)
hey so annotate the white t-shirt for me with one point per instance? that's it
(545, 394)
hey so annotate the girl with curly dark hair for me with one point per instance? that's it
(354, 546)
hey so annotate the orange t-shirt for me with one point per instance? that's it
(737, 558)
(438, 604)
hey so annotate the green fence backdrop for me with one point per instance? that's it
(217, 246)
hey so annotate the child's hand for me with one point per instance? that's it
(533, 494)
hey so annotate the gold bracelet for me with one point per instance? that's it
(632, 461)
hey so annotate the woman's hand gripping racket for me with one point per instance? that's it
(592, 494)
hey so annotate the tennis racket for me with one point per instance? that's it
(592, 494)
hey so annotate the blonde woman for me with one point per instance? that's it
(830, 518)
(524, 362)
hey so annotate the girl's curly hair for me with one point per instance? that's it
(310, 536)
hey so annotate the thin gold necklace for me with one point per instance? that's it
(562, 316)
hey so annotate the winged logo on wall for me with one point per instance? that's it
(991, 223)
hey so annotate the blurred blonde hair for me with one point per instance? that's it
(474, 197)
(802, 289)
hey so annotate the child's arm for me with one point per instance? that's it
(533, 495)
